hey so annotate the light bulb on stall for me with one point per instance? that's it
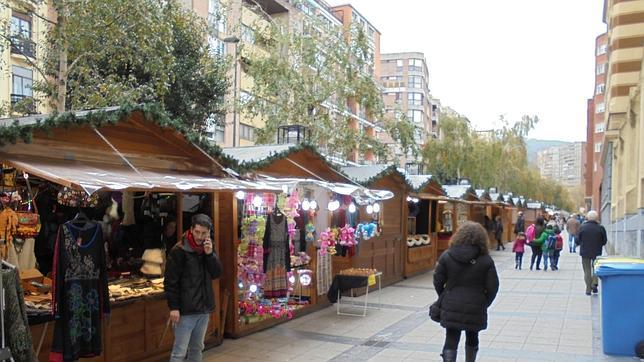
(352, 208)
(253, 288)
(241, 285)
(369, 209)
(409, 198)
(333, 205)
(305, 280)
(306, 205)
(240, 195)
(291, 279)
(376, 207)
(285, 189)
(314, 204)
(257, 201)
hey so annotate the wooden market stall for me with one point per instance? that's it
(132, 151)
(321, 185)
(426, 200)
(458, 209)
(510, 215)
(386, 252)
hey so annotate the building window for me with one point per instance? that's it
(22, 81)
(414, 115)
(215, 131)
(415, 65)
(595, 166)
(601, 68)
(601, 49)
(398, 97)
(20, 35)
(599, 128)
(600, 88)
(415, 99)
(247, 34)
(415, 81)
(399, 65)
(216, 19)
(246, 132)
(598, 147)
(601, 107)
(217, 47)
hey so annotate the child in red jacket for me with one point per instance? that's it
(519, 248)
(557, 251)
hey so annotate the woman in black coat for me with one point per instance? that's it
(466, 273)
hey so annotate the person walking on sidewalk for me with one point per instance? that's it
(468, 277)
(498, 232)
(558, 247)
(572, 226)
(539, 227)
(192, 265)
(547, 240)
(519, 248)
(591, 240)
(519, 227)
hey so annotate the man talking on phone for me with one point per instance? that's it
(191, 267)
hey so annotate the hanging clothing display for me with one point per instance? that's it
(277, 259)
(21, 253)
(324, 272)
(80, 294)
(18, 336)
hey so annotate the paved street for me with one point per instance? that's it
(537, 316)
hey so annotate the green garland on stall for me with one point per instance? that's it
(276, 156)
(152, 112)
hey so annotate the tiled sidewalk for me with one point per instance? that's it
(537, 316)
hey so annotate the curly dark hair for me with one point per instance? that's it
(471, 233)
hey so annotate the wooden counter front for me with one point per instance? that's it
(132, 332)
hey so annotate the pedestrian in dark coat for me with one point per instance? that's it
(498, 232)
(539, 227)
(591, 239)
(519, 227)
(469, 271)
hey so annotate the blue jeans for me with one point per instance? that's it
(547, 255)
(189, 336)
(571, 243)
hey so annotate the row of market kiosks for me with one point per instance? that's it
(123, 177)
(122, 180)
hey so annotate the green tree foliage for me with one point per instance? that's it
(304, 74)
(107, 52)
(496, 158)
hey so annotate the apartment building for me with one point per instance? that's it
(622, 154)
(596, 125)
(16, 82)
(564, 164)
(406, 94)
(234, 28)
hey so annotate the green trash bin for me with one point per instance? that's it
(622, 304)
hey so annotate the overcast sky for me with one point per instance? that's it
(493, 57)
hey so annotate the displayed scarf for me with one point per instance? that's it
(193, 244)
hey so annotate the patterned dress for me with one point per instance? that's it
(80, 294)
(277, 258)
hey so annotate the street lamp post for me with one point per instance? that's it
(234, 40)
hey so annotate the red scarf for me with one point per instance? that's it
(193, 244)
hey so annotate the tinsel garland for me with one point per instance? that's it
(152, 112)
(276, 156)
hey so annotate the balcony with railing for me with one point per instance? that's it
(23, 103)
(23, 46)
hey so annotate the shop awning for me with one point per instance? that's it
(362, 195)
(101, 176)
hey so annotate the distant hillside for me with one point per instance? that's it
(534, 146)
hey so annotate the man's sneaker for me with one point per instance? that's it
(595, 290)
(587, 293)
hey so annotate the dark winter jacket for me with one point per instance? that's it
(188, 280)
(464, 307)
(519, 227)
(591, 239)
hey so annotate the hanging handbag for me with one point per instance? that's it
(28, 221)
(435, 308)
